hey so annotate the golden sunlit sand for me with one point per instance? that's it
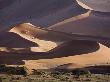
(78, 41)
(76, 53)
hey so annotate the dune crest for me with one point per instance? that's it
(67, 36)
(97, 5)
(29, 32)
(84, 5)
(83, 53)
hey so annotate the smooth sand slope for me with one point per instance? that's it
(72, 54)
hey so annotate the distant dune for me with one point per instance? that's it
(92, 24)
(38, 12)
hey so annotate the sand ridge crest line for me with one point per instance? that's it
(44, 45)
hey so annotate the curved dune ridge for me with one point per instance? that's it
(90, 24)
(78, 41)
(46, 40)
(97, 5)
(100, 57)
(64, 53)
(11, 42)
(37, 12)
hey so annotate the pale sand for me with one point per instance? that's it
(101, 56)
(47, 61)
(29, 32)
(24, 35)
(97, 5)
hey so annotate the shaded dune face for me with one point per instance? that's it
(34, 32)
(72, 49)
(38, 12)
(97, 5)
(98, 69)
(106, 43)
(11, 42)
(76, 47)
(6, 3)
(46, 39)
(51, 60)
(67, 67)
(63, 49)
(55, 40)
(85, 24)
(58, 40)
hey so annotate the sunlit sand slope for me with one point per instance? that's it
(46, 40)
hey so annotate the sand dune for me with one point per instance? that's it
(68, 67)
(79, 52)
(86, 24)
(102, 5)
(48, 61)
(11, 42)
(46, 40)
(5, 3)
(101, 56)
(63, 44)
(38, 12)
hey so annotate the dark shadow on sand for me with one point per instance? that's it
(97, 69)
(38, 12)
(68, 49)
(106, 43)
(12, 40)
